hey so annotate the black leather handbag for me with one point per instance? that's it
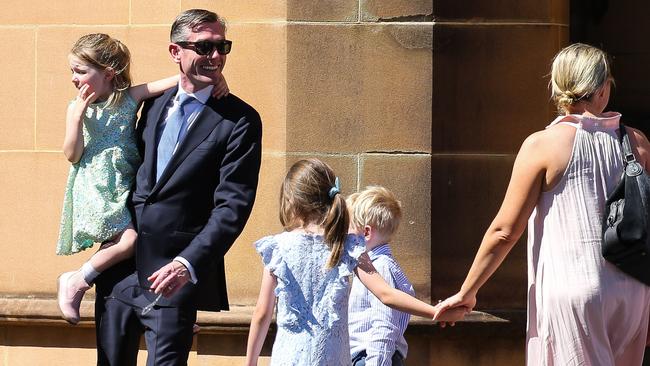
(626, 242)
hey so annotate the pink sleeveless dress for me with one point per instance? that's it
(581, 309)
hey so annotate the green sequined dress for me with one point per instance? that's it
(94, 205)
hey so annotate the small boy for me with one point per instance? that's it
(377, 331)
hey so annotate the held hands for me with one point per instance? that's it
(169, 279)
(220, 88)
(454, 309)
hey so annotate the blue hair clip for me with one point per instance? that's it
(336, 189)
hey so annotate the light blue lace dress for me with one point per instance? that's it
(312, 308)
(94, 205)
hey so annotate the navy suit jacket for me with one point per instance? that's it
(202, 200)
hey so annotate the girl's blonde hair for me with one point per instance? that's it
(376, 207)
(104, 52)
(306, 197)
(578, 71)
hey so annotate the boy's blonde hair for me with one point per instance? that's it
(376, 207)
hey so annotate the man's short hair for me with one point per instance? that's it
(376, 207)
(188, 20)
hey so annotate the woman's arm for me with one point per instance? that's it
(155, 88)
(73, 142)
(261, 318)
(524, 189)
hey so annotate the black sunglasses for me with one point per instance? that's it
(205, 48)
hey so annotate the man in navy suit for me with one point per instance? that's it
(194, 192)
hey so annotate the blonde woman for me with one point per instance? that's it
(581, 309)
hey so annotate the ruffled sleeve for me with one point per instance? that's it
(268, 248)
(355, 245)
(272, 259)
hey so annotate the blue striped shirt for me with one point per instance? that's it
(373, 326)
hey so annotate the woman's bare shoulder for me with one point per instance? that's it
(640, 142)
(553, 137)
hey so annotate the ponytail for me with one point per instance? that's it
(310, 193)
(336, 226)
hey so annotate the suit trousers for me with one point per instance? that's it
(120, 324)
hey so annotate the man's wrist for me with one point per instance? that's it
(188, 267)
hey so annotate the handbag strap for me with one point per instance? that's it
(628, 155)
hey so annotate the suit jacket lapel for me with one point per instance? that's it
(204, 124)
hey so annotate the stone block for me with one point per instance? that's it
(43, 345)
(229, 349)
(243, 263)
(323, 11)
(17, 117)
(396, 10)
(546, 11)
(150, 12)
(241, 11)
(466, 192)
(359, 88)
(256, 71)
(409, 178)
(150, 58)
(64, 12)
(491, 85)
(31, 198)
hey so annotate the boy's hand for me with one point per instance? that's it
(451, 316)
(454, 308)
(220, 88)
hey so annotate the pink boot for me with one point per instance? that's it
(72, 288)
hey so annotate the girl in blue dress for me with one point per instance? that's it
(100, 142)
(308, 270)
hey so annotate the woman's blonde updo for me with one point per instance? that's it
(578, 71)
(104, 52)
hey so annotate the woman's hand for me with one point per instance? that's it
(220, 88)
(454, 308)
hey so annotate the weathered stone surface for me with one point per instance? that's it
(256, 71)
(359, 88)
(243, 263)
(397, 10)
(324, 11)
(466, 192)
(64, 12)
(409, 177)
(17, 115)
(545, 11)
(242, 11)
(31, 198)
(490, 89)
(150, 12)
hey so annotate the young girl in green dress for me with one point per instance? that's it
(100, 142)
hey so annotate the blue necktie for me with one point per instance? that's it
(174, 131)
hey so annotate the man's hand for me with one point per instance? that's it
(169, 279)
